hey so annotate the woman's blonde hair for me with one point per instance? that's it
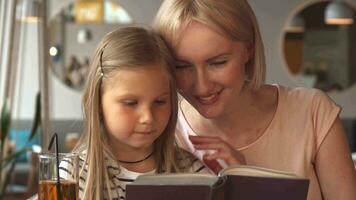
(233, 18)
(124, 47)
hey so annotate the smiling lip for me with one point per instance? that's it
(210, 99)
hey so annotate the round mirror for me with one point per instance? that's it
(319, 44)
(74, 34)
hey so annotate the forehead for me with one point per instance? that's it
(152, 78)
(198, 40)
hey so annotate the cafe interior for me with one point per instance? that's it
(45, 47)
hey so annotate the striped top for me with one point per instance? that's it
(121, 176)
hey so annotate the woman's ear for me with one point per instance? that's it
(249, 52)
(250, 48)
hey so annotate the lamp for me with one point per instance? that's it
(338, 13)
(29, 11)
(296, 25)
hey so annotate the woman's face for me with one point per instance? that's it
(210, 69)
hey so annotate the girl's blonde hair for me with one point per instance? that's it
(233, 18)
(124, 47)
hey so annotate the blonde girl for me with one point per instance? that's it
(130, 112)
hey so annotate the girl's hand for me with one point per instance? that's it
(223, 151)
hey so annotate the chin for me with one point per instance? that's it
(209, 112)
(141, 146)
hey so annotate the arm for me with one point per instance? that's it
(334, 167)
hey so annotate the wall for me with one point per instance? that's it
(66, 103)
(272, 19)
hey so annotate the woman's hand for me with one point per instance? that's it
(223, 151)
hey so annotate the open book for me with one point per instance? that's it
(233, 183)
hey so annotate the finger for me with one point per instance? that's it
(213, 165)
(204, 139)
(229, 158)
(219, 146)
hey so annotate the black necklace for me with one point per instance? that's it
(137, 161)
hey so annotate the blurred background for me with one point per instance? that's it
(46, 46)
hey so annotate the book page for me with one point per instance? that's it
(177, 179)
(246, 170)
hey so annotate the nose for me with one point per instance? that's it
(146, 115)
(203, 83)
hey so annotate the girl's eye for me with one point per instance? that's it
(130, 102)
(160, 102)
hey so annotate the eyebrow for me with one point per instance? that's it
(165, 94)
(217, 56)
(130, 95)
(208, 60)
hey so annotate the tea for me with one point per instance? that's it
(48, 190)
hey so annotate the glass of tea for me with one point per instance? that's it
(58, 176)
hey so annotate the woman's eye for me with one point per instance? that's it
(182, 66)
(219, 62)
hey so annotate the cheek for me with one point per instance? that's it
(234, 73)
(183, 81)
(165, 115)
(116, 123)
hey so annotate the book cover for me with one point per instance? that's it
(233, 183)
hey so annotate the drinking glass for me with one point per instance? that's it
(64, 188)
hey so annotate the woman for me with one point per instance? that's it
(228, 111)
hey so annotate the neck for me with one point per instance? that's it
(242, 105)
(234, 124)
(127, 156)
(136, 161)
(247, 118)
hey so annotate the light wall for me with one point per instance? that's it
(66, 103)
(272, 19)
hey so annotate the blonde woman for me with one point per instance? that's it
(229, 111)
(130, 110)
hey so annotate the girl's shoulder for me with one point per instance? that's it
(189, 163)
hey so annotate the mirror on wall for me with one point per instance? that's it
(74, 34)
(319, 45)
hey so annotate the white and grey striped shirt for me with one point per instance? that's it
(121, 176)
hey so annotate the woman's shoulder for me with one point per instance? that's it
(301, 100)
(298, 91)
(301, 95)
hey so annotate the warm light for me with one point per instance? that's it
(338, 13)
(340, 21)
(28, 11)
(29, 19)
(295, 29)
(296, 25)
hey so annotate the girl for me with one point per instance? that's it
(130, 111)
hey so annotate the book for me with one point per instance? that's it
(240, 182)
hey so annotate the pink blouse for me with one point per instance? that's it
(302, 120)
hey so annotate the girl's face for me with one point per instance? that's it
(136, 106)
(210, 69)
